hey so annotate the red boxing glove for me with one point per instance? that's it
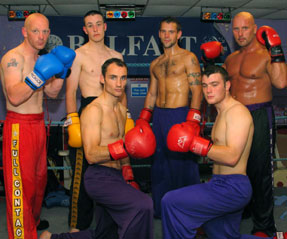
(200, 146)
(145, 117)
(269, 37)
(180, 136)
(210, 51)
(117, 150)
(140, 142)
(128, 176)
(193, 118)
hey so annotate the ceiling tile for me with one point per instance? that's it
(279, 4)
(194, 12)
(257, 13)
(123, 2)
(157, 11)
(172, 2)
(282, 14)
(221, 3)
(26, 2)
(71, 10)
(69, 2)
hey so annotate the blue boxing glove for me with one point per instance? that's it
(45, 67)
(66, 56)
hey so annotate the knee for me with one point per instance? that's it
(167, 199)
(145, 204)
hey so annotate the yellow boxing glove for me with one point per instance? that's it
(74, 130)
(129, 122)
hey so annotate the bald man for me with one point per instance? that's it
(25, 78)
(258, 65)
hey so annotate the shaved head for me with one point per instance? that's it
(35, 17)
(244, 28)
(245, 15)
(36, 31)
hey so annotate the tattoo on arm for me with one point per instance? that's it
(196, 78)
(194, 62)
(12, 63)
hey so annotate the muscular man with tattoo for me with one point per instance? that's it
(172, 76)
(26, 77)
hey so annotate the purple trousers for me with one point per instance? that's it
(216, 205)
(131, 209)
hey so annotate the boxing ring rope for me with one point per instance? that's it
(208, 124)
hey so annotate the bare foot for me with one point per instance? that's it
(74, 230)
(45, 235)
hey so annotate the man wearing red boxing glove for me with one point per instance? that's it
(254, 69)
(173, 76)
(85, 76)
(218, 204)
(258, 65)
(109, 179)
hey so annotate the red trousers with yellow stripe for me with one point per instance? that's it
(25, 172)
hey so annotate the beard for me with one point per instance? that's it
(169, 45)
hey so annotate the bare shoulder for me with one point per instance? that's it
(81, 51)
(190, 57)
(189, 54)
(239, 111)
(156, 61)
(92, 112)
(115, 54)
(262, 53)
(231, 56)
(12, 61)
(13, 56)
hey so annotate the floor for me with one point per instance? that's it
(57, 217)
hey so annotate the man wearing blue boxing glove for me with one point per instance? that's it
(25, 77)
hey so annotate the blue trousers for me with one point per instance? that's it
(130, 209)
(170, 170)
(216, 205)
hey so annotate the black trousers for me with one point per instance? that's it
(260, 168)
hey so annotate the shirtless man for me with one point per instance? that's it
(172, 76)
(218, 204)
(86, 71)
(253, 71)
(109, 174)
(25, 78)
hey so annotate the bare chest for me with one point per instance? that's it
(218, 131)
(169, 68)
(249, 66)
(112, 124)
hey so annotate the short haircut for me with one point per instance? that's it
(94, 12)
(212, 69)
(110, 61)
(171, 20)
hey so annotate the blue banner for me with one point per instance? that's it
(137, 40)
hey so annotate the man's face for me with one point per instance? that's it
(115, 80)
(168, 34)
(214, 89)
(244, 30)
(95, 27)
(37, 32)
